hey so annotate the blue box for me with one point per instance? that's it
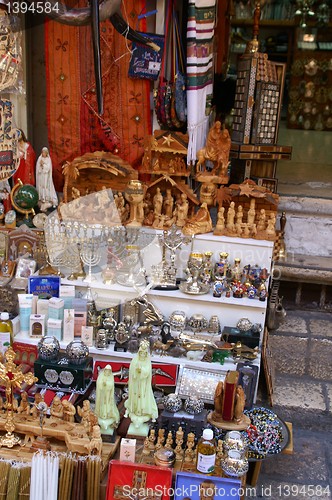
(47, 286)
(188, 485)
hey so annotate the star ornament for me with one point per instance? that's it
(246, 190)
(168, 139)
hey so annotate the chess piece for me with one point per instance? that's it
(219, 451)
(146, 447)
(169, 441)
(160, 439)
(56, 409)
(69, 411)
(251, 212)
(152, 438)
(189, 454)
(106, 409)
(179, 452)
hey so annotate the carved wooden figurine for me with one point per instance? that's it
(68, 411)
(200, 223)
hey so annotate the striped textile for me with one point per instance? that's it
(200, 33)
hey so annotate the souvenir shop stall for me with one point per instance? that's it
(136, 260)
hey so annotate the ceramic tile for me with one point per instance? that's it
(320, 360)
(289, 353)
(308, 459)
(304, 395)
(320, 327)
(293, 324)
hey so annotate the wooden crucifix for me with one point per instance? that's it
(12, 377)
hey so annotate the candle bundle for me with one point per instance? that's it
(24, 489)
(78, 491)
(93, 477)
(13, 482)
(44, 476)
(66, 477)
(4, 473)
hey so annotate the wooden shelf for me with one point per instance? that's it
(269, 23)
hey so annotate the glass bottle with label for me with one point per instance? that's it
(206, 452)
(6, 332)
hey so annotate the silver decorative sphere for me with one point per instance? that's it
(193, 405)
(77, 352)
(172, 403)
(48, 348)
(244, 325)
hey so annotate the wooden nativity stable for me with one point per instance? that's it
(94, 171)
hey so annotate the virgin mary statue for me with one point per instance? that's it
(140, 405)
(106, 409)
(44, 182)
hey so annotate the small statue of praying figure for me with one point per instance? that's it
(69, 411)
(24, 406)
(56, 409)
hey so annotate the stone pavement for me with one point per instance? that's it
(302, 350)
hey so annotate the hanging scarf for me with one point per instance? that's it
(200, 32)
(74, 126)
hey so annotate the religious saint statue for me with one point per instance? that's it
(5, 195)
(157, 202)
(44, 182)
(230, 217)
(217, 148)
(140, 405)
(168, 203)
(251, 212)
(26, 166)
(261, 220)
(106, 409)
(181, 210)
(240, 401)
(220, 226)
